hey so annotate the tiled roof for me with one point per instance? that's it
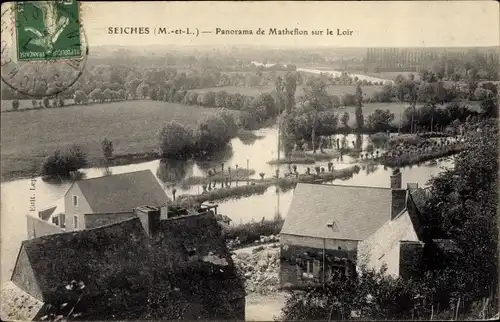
(17, 305)
(54, 209)
(383, 246)
(356, 212)
(122, 255)
(123, 192)
(93, 256)
(419, 197)
(199, 232)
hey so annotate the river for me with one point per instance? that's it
(334, 73)
(15, 195)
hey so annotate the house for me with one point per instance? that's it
(335, 228)
(140, 268)
(113, 194)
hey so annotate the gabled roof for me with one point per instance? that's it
(382, 247)
(17, 305)
(55, 209)
(123, 192)
(357, 211)
(93, 256)
(122, 257)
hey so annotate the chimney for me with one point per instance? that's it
(396, 179)
(398, 195)
(150, 219)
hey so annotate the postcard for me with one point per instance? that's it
(249, 160)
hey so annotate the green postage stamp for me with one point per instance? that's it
(48, 30)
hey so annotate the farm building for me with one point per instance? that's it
(139, 268)
(97, 200)
(334, 228)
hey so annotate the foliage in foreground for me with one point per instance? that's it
(462, 207)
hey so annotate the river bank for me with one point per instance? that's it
(31, 167)
(259, 186)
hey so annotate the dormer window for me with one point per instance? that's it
(331, 224)
(75, 201)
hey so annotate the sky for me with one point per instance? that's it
(374, 24)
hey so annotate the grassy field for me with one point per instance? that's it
(338, 90)
(28, 137)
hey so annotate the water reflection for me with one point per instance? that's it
(15, 195)
(172, 171)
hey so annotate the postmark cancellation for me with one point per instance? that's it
(44, 47)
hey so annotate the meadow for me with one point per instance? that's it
(28, 137)
(338, 90)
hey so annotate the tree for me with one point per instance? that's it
(489, 100)
(345, 119)
(373, 295)
(220, 99)
(316, 99)
(176, 141)
(107, 94)
(107, 148)
(79, 97)
(463, 207)
(359, 108)
(15, 104)
(212, 134)
(380, 121)
(96, 95)
(290, 89)
(206, 99)
(142, 90)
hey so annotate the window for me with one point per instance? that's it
(308, 269)
(55, 221)
(75, 201)
(62, 221)
(75, 221)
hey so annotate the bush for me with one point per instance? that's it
(248, 233)
(64, 164)
(176, 141)
(379, 139)
(107, 148)
(15, 105)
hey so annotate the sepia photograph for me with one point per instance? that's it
(249, 160)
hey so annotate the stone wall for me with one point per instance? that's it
(292, 264)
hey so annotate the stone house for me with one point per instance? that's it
(336, 228)
(115, 194)
(140, 268)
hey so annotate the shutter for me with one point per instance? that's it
(316, 267)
